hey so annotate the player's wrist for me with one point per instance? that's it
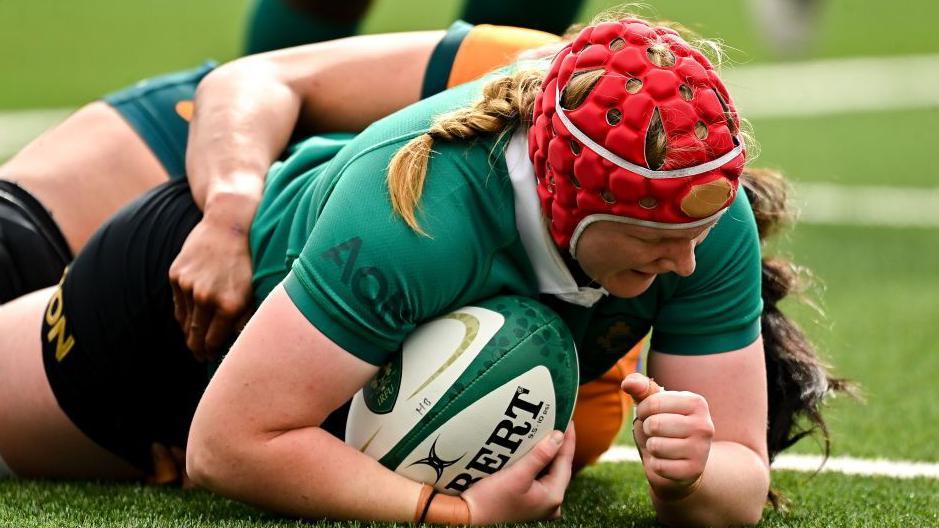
(232, 210)
(436, 508)
(675, 491)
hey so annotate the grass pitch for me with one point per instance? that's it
(603, 496)
(880, 295)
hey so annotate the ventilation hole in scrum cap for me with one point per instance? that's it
(633, 85)
(579, 87)
(608, 196)
(661, 56)
(701, 130)
(686, 93)
(656, 142)
(728, 116)
(614, 116)
(648, 202)
(576, 148)
(617, 44)
(574, 181)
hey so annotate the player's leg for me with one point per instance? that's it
(33, 252)
(85, 169)
(277, 24)
(96, 371)
(37, 439)
(61, 187)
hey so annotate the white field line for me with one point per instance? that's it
(779, 90)
(824, 203)
(810, 463)
(19, 127)
(835, 86)
(808, 88)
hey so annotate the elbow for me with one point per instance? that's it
(750, 516)
(211, 460)
(203, 464)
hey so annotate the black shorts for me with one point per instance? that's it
(114, 355)
(113, 352)
(33, 252)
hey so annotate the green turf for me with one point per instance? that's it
(605, 495)
(881, 296)
(880, 301)
(892, 148)
(67, 53)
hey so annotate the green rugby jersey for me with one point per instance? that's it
(326, 228)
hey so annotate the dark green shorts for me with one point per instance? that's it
(159, 109)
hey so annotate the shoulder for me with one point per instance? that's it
(717, 308)
(467, 52)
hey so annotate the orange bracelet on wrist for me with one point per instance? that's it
(435, 508)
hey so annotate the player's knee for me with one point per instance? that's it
(33, 253)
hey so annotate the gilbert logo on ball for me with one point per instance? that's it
(470, 393)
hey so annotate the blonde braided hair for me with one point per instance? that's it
(507, 102)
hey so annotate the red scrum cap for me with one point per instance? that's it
(597, 161)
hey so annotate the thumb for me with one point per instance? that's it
(640, 387)
(533, 462)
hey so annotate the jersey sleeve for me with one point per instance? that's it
(717, 308)
(467, 52)
(365, 279)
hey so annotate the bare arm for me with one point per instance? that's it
(245, 113)
(256, 436)
(705, 450)
(246, 110)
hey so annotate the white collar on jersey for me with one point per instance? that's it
(552, 273)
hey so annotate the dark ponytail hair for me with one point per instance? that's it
(797, 379)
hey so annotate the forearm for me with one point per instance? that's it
(732, 491)
(244, 117)
(306, 473)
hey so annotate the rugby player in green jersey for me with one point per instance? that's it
(337, 295)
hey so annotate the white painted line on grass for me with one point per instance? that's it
(811, 463)
(824, 203)
(835, 86)
(19, 127)
(811, 88)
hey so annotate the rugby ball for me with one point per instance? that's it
(469, 393)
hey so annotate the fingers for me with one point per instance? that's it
(680, 470)
(164, 466)
(669, 448)
(559, 474)
(670, 425)
(540, 456)
(640, 387)
(671, 402)
(179, 304)
(202, 316)
(220, 329)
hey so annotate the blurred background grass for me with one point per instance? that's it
(59, 53)
(879, 285)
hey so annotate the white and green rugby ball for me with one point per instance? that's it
(470, 393)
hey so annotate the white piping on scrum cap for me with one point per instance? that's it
(644, 172)
(582, 225)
